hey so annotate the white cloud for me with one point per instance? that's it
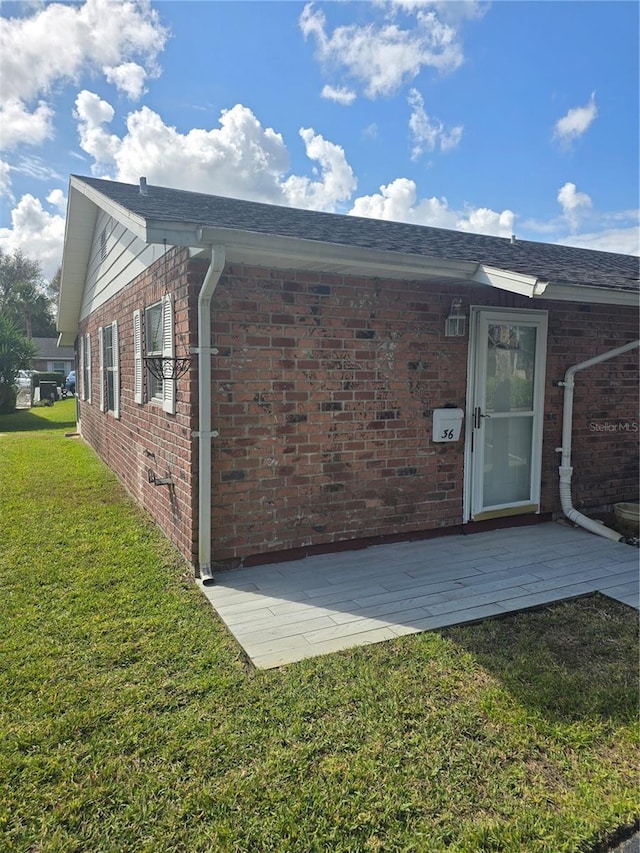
(37, 232)
(337, 182)
(573, 203)
(427, 132)
(340, 94)
(5, 180)
(241, 158)
(383, 57)
(35, 167)
(92, 113)
(398, 202)
(575, 122)
(128, 78)
(457, 11)
(625, 241)
(18, 124)
(60, 42)
(57, 199)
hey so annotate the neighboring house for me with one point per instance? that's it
(324, 348)
(52, 358)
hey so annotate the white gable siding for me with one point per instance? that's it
(114, 261)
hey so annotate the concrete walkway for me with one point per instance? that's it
(284, 612)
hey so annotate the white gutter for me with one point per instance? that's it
(565, 469)
(205, 433)
(525, 285)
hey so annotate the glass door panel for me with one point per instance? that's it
(507, 461)
(508, 397)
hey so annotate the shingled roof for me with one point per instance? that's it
(563, 265)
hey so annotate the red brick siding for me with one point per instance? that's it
(122, 443)
(605, 419)
(323, 393)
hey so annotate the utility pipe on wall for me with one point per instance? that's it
(565, 470)
(205, 433)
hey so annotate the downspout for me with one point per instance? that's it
(565, 469)
(205, 433)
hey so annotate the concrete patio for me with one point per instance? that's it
(284, 612)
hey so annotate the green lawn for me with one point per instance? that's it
(130, 720)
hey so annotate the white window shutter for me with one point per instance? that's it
(116, 370)
(80, 379)
(103, 378)
(87, 355)
(168, 351)
(137, 356)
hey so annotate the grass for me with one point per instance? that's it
(132, 722)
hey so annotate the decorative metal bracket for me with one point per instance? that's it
(158, 481)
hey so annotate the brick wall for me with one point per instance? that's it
(323, 393)
(124, 444)
(605, 420)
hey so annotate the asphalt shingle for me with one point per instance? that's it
(550, 262)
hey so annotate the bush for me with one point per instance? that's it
(8, 397)
(16, 353)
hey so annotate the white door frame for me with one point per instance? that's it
(540, 319)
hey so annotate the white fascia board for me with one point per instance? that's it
(264, 248)
(525, 285)
(79, 227)
(597, 295)
(535, 288)
(66, 339)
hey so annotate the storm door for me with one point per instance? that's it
(505, 413)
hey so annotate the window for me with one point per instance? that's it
(153, 346)
(85, 363)
(157, 323)
(109, 369)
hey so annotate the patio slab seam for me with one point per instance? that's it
(283, 612)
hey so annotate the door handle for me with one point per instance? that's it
(477, 414)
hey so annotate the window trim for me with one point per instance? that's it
(166, 390)
(106, 368)
(154, 386)
(86, 376)
(138, 364)
(168, 351)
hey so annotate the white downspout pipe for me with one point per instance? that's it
(565, 469)
(205, 433)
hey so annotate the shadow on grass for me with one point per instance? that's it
(59, 416)
(574, 660)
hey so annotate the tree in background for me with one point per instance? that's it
(23, 296)
(16, 353)
(53, 291)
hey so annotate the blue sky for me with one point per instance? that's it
(495, 117)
